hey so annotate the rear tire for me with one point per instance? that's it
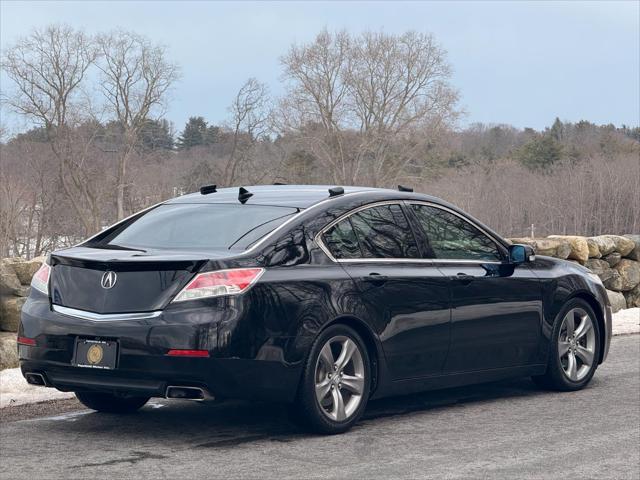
(108, 403)
(335, 383)
(574, 350)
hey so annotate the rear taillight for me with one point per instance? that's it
(40, 280)
(26, 341)
(220, 283)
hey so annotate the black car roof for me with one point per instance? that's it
(297, 196)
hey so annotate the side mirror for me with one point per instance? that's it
(520, 254)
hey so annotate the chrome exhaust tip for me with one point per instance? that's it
(185, 393)
(35, 379)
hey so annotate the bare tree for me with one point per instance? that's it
(48, 68)
(249, 123)
(599, 196)
(399, 87)
(135, 79)
(14, 205)
(316, 103)
(355, 101)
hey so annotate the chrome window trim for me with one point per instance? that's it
(295, 216)
(323, 247)
(99, 317)
(319, 241)
(432, 261)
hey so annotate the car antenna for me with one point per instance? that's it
(402, 188)
(335, 191)
(208, 189)
(244, 195)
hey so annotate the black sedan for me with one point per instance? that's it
(323, 297)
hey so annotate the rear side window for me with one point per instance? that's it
(341, 240)
(452, 237)
(377, 232)
(199, 226)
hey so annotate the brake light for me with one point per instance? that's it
(26, 341)
(220, 283)
(188, 353)
(40, 280)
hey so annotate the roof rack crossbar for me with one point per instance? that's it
(208, 189)
(335, 191)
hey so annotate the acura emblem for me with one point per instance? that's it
(108, 280)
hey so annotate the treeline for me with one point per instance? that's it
(372, 109)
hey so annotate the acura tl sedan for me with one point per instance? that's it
(321, 297)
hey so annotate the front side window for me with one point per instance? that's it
(452, 237)
(377, 232)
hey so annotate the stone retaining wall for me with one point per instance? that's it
(614, 258)
(15, 278)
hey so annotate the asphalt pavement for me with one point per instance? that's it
(506, 429)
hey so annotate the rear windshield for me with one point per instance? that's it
(199, 226)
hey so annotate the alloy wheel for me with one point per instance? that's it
(576, 344)
(339, 378)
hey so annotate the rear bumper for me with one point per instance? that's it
(231, 378)
(143, 366)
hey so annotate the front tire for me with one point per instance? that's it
(336, 381)
(108, 403)
(574, 349)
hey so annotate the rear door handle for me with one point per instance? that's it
(375, 278)
(464, 278)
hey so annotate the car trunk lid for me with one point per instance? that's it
(105, 281)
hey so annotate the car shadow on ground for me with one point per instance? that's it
(220, 425)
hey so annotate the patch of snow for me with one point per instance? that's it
(14, 389)
(626, 321)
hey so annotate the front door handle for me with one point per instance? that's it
(464, 278)
(375, 278)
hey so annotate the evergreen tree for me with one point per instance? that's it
(540, 153)
(194, 133)
(557, 130)
(156, 134)
(211, 136)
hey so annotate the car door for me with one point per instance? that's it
(496, 307)
(406, 299)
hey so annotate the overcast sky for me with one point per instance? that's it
(518, 62)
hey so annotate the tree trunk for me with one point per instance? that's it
(120, 188)
(121, 177)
